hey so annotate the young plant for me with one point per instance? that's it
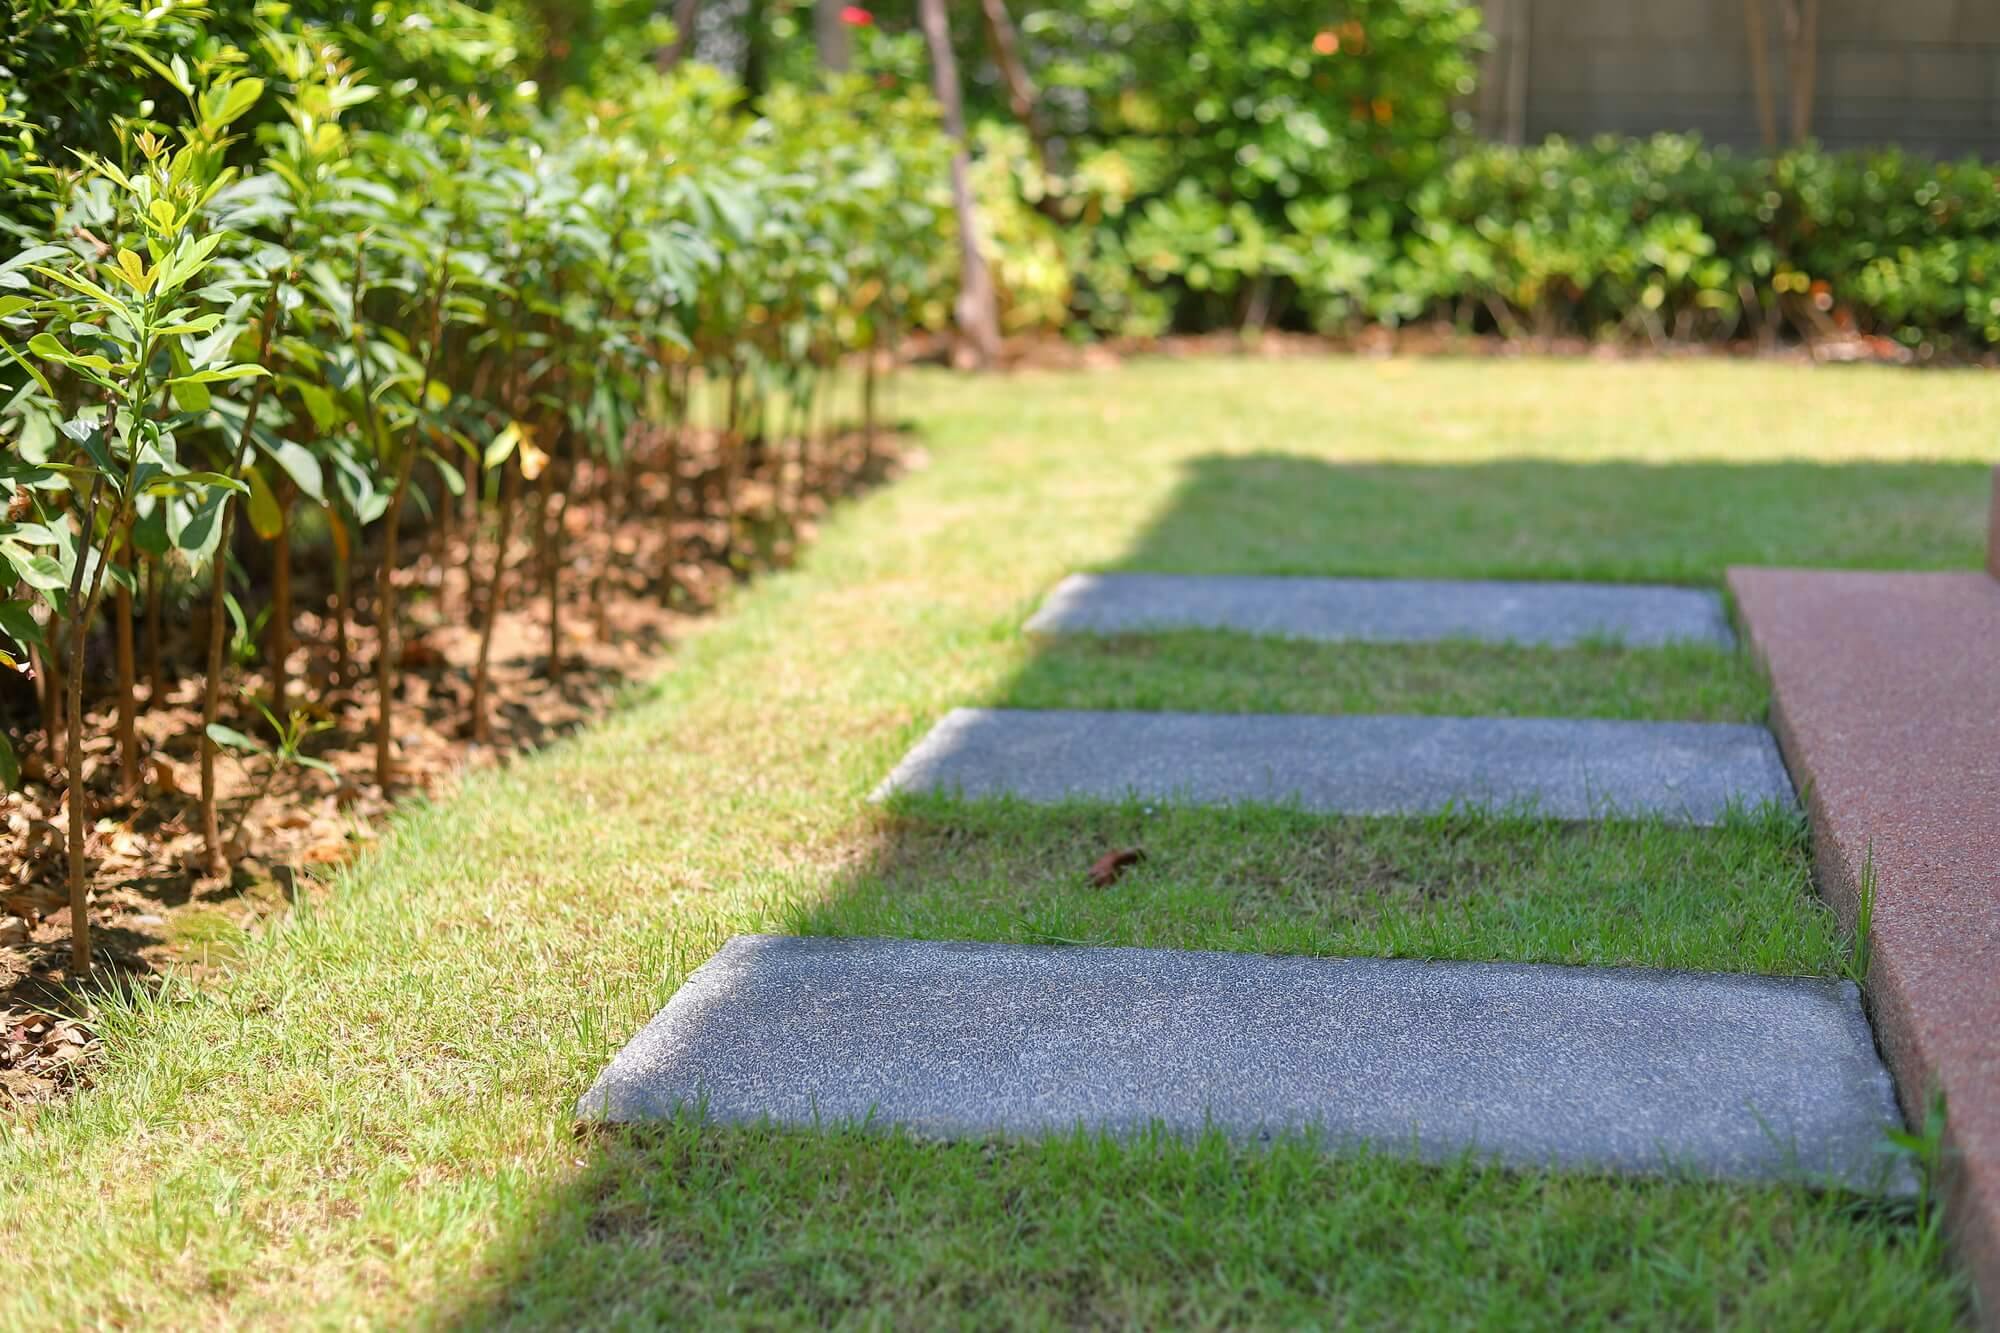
(284, 753)
(143, 343)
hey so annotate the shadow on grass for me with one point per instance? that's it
(1540, 519)
(687, 1223)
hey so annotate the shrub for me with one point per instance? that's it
(275, 293)
(1659, 238)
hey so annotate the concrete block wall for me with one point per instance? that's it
(1923, 74)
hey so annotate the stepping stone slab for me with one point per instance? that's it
(1385, 610)
(1560, 768)
(1599, 1069)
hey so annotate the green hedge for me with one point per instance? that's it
(1660, 238)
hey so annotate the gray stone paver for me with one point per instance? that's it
(1561, 768)
(1386, 610)
(1611, 1069)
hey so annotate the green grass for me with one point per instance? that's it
(1736, 899)
(1203, 671)
(739, 1225)
(367, 1118)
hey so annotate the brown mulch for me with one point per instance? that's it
(626, 597)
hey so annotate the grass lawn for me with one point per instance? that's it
(1197, 671)
(368, 1119)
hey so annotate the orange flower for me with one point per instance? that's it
(1327, 42)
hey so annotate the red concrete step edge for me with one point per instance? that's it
(1886, 702)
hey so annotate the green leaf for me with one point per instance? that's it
(185, 481)
(14, 305)
(267, 517)
(149, 530)
(200, 324)
(502, 445)
(36, 570)
(10, 765)
(188, 257)
(453, 480)
(298, 464)
(190, 397)
(34, 254)
(48, 348)
(242, 370)
(240, 97)
(81, 284)
(195, 529)
(27, 365)
(232, 739)
(177, 81)
(16, 619)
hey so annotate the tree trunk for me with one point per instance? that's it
(732, 458)
(830, 37)
(1758, 41)
(978, 318)
(1802, 44)
(671, 466)
(558, 511)
(47, 666)
(756, 49)
(474, 487)
(278, 642)
(385, 622)
(218, 610)
(211, 696)
(1014, 72)
(343, 599)
(74, 794)
(78, 801)
(156, 591)
(495, 587)
(385, 609)
(683, 43)
(128, 704)
(868, 400)
(611, 502)
(438, 541)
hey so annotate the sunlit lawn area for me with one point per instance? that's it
(369, 1118)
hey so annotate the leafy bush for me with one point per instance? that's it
(1654, 238)
(1667, 237)
(1215, 164)
(272, 291)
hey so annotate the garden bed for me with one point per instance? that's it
(158, 906)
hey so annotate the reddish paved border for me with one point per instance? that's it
(1886, 701)
(1993, 529)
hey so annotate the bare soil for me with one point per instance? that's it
(636, 576)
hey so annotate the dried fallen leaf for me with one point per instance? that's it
(419, 652)
(161, 778)
(1108, 867)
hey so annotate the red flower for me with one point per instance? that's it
(854, 16)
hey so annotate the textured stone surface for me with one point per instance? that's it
(1384, 610)
(1594, 1068)
(1886, 695)
(1562, 768)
